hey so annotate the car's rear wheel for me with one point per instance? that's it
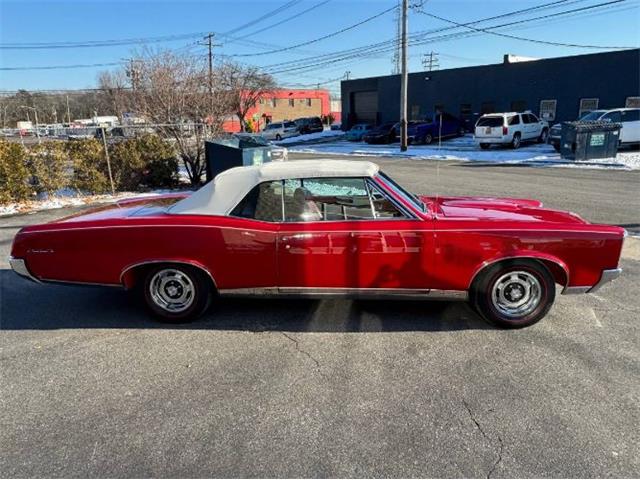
(484, 146)
(544, 136)
(177, 293)
(427, 139)
(515, 142)
(278, 137)
(514, 293)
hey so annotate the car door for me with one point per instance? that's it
(630, 132)
(338, 235)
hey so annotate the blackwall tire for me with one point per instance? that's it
(544, 136)
(278, 137)
(516, 141)
(427, 139)
(484, 146)
(177, 293)
(513, 293)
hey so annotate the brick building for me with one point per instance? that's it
(285, 104)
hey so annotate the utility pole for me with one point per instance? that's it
(106, 155)
(430, 61)
(403, 81)
(397, 18)
(209, 44)
(68, 111)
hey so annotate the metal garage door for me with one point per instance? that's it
(365, 106)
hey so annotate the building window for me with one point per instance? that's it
(308, 100)
(548, 110)
(518, 105)
(632, 102)
(587, 105)
(415, 112)
(291, 102)
(487, 107)
(274, 102)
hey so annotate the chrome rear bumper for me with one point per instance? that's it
(19, 266)
(606, 277)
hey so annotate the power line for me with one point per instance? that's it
(98, 43)
(532, 40)
(292, 17)
(315, 40)
(271, 13)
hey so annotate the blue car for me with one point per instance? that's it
(440, 125)
(357, 131)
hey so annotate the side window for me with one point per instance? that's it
(382, 206)
(326, 199)
(613, 117)
(515, 120)
(526, 118)
(630, 115)
(263, 202)
(533, 118)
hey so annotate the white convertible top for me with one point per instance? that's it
(221, 195)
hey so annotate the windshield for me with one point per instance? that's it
(595, 115)
(400, 191)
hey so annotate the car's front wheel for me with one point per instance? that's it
(176, 292)
(544, 136)
(427, 139)
(514, 293)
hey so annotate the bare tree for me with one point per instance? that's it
(115, 92)
(172, 92)
(245, 86)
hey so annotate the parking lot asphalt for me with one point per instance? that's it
(91, 386)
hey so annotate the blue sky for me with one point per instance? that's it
(67, 21)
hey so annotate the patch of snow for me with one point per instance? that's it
(465, 149)
(311, 137)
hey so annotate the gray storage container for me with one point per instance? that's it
(589, 140)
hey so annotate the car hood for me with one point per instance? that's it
(505, 209)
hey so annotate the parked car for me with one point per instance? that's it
(309, 125)
(511, 128)
(628, 117)
(439, 126)
(278, 153)
(279, 130)
(326, 228)
(356, 132)
(385, 133)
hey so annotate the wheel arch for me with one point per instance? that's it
(133, 273)
(558, 269)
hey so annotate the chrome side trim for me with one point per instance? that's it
(148, 262)
(329, 292)
(86, 284)
(606, 277)
(574, 290)
(19, 266)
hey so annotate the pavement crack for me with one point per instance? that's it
(500, 443)
(304, 352)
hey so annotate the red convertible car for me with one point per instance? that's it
(325, 228)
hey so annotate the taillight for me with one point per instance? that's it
(505, 130)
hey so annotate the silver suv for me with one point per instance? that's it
(279, 130)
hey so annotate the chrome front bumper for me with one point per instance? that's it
(606, 277)
(20, 267)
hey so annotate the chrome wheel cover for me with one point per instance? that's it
(516, 141)
(172, 290)
(516, 294)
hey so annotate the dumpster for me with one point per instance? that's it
(235, 151)
(589, 140)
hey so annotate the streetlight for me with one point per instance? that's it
(35, 111)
